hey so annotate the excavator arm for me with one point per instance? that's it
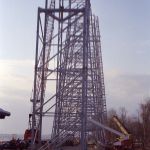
(120, 126)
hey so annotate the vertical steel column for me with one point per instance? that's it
(85, 74)
(35, 81)
(43, 76)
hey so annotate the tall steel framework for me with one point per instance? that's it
(68, 79)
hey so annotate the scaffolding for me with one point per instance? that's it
(68, 78)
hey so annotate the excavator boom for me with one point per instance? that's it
(120, 125)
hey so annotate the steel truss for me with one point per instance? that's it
(68, 80)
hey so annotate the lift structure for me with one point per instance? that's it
(68, 79)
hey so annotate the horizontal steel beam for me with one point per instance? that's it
(57, 10)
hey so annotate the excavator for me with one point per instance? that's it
(123, 143)
(128, 143)
(125, 140)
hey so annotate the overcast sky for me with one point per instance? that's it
(125, 37)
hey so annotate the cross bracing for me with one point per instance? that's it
(68, 80)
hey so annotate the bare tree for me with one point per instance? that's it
(145, 117)
(137, 125)
(112, 112)
(123, 115)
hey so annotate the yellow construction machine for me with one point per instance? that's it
(123, 142)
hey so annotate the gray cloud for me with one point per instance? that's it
(15, 88)
(127, 90)
(121, 90)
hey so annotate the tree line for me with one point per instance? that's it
(137, 125)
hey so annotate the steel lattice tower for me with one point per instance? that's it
(68, 80)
